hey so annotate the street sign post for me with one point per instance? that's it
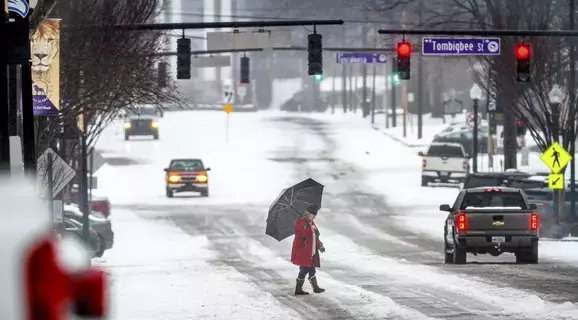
(211, 61)
(360, 57)
(433, 46)
(51, 167)
(228, 108)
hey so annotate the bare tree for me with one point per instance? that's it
(103, 70)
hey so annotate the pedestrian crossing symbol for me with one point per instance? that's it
(556, 157)
(556, 181)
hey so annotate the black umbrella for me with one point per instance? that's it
(285, 210)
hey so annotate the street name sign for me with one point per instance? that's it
(360, 57)
(211, 61)
(556, 157)
(460, 46)
(249, 39)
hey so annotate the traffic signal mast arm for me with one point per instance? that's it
(211, 25)
(514, 33)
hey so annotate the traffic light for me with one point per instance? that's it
(403, 60)
(395, 78)
(163, 66)
(521, 128)
(523, 55)
(318, 77)
(315, 52)
(183, 58)
(245, 70)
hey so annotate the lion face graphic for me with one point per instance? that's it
(44, 46)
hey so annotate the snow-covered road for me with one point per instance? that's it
(208, 258)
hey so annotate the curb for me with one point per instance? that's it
(394, 138)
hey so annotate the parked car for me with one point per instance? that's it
(466, 139)
(98, 201)
(101, 224)
(74, 228)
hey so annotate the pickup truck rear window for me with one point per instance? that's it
(493, 199)
(445, 151)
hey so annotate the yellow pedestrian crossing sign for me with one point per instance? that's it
(556, 181)
(556, 157)
(228, 108)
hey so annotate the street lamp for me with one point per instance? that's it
(476, 95)
(556, 97)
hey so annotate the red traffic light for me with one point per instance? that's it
(404, 49)
(520, 123)
(522, 51)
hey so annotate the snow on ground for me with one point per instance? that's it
(198, 135)
(394, 170)
(170, 279)
(510, 301)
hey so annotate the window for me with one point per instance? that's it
(445, 151)
(544, 195)
(187, 165)
(493, 199)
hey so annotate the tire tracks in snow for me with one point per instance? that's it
(554, 284)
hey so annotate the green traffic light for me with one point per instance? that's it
(396, 79)
(318, 77)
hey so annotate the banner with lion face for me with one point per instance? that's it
(45, 55)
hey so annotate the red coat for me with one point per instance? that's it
(301, 254)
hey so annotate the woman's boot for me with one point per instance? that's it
(299, 287)
(315, 286)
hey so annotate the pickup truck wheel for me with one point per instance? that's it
(126, 137)
(169, 193)
(424, 182)
(448, 257)
(459, 255)
(532, 256)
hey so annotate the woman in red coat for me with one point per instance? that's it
(305, 252)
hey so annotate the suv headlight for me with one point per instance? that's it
(201, 178)
(154, 125)
(174, 179)
(127, 125)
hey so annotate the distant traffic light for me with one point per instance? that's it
(521, 128)
(395, 78)
(183, 58)
(163, 74)
(318, 77)
(403, 60)
(523, 55)
(315, 54)
(245, 71)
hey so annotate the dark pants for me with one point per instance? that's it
(303, 271)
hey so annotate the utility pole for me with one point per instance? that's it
(420, 89)
(4, 114)
(373, 94)
(364, 105)
(572, 109)
(12, 99)
(344, 74)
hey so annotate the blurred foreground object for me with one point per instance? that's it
(42, 277)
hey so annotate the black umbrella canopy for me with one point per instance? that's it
(291, 202)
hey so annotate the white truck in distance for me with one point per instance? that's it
(444, 162)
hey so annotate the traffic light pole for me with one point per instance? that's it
(487, 33)
(4, 116)
(572, 105)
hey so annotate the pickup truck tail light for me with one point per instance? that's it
(492, 190)
(462, 222)
(423, 163)
(534, 221)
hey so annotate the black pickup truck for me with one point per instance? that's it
(491, 220)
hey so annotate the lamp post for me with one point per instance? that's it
(556, 97)
(476, 95)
